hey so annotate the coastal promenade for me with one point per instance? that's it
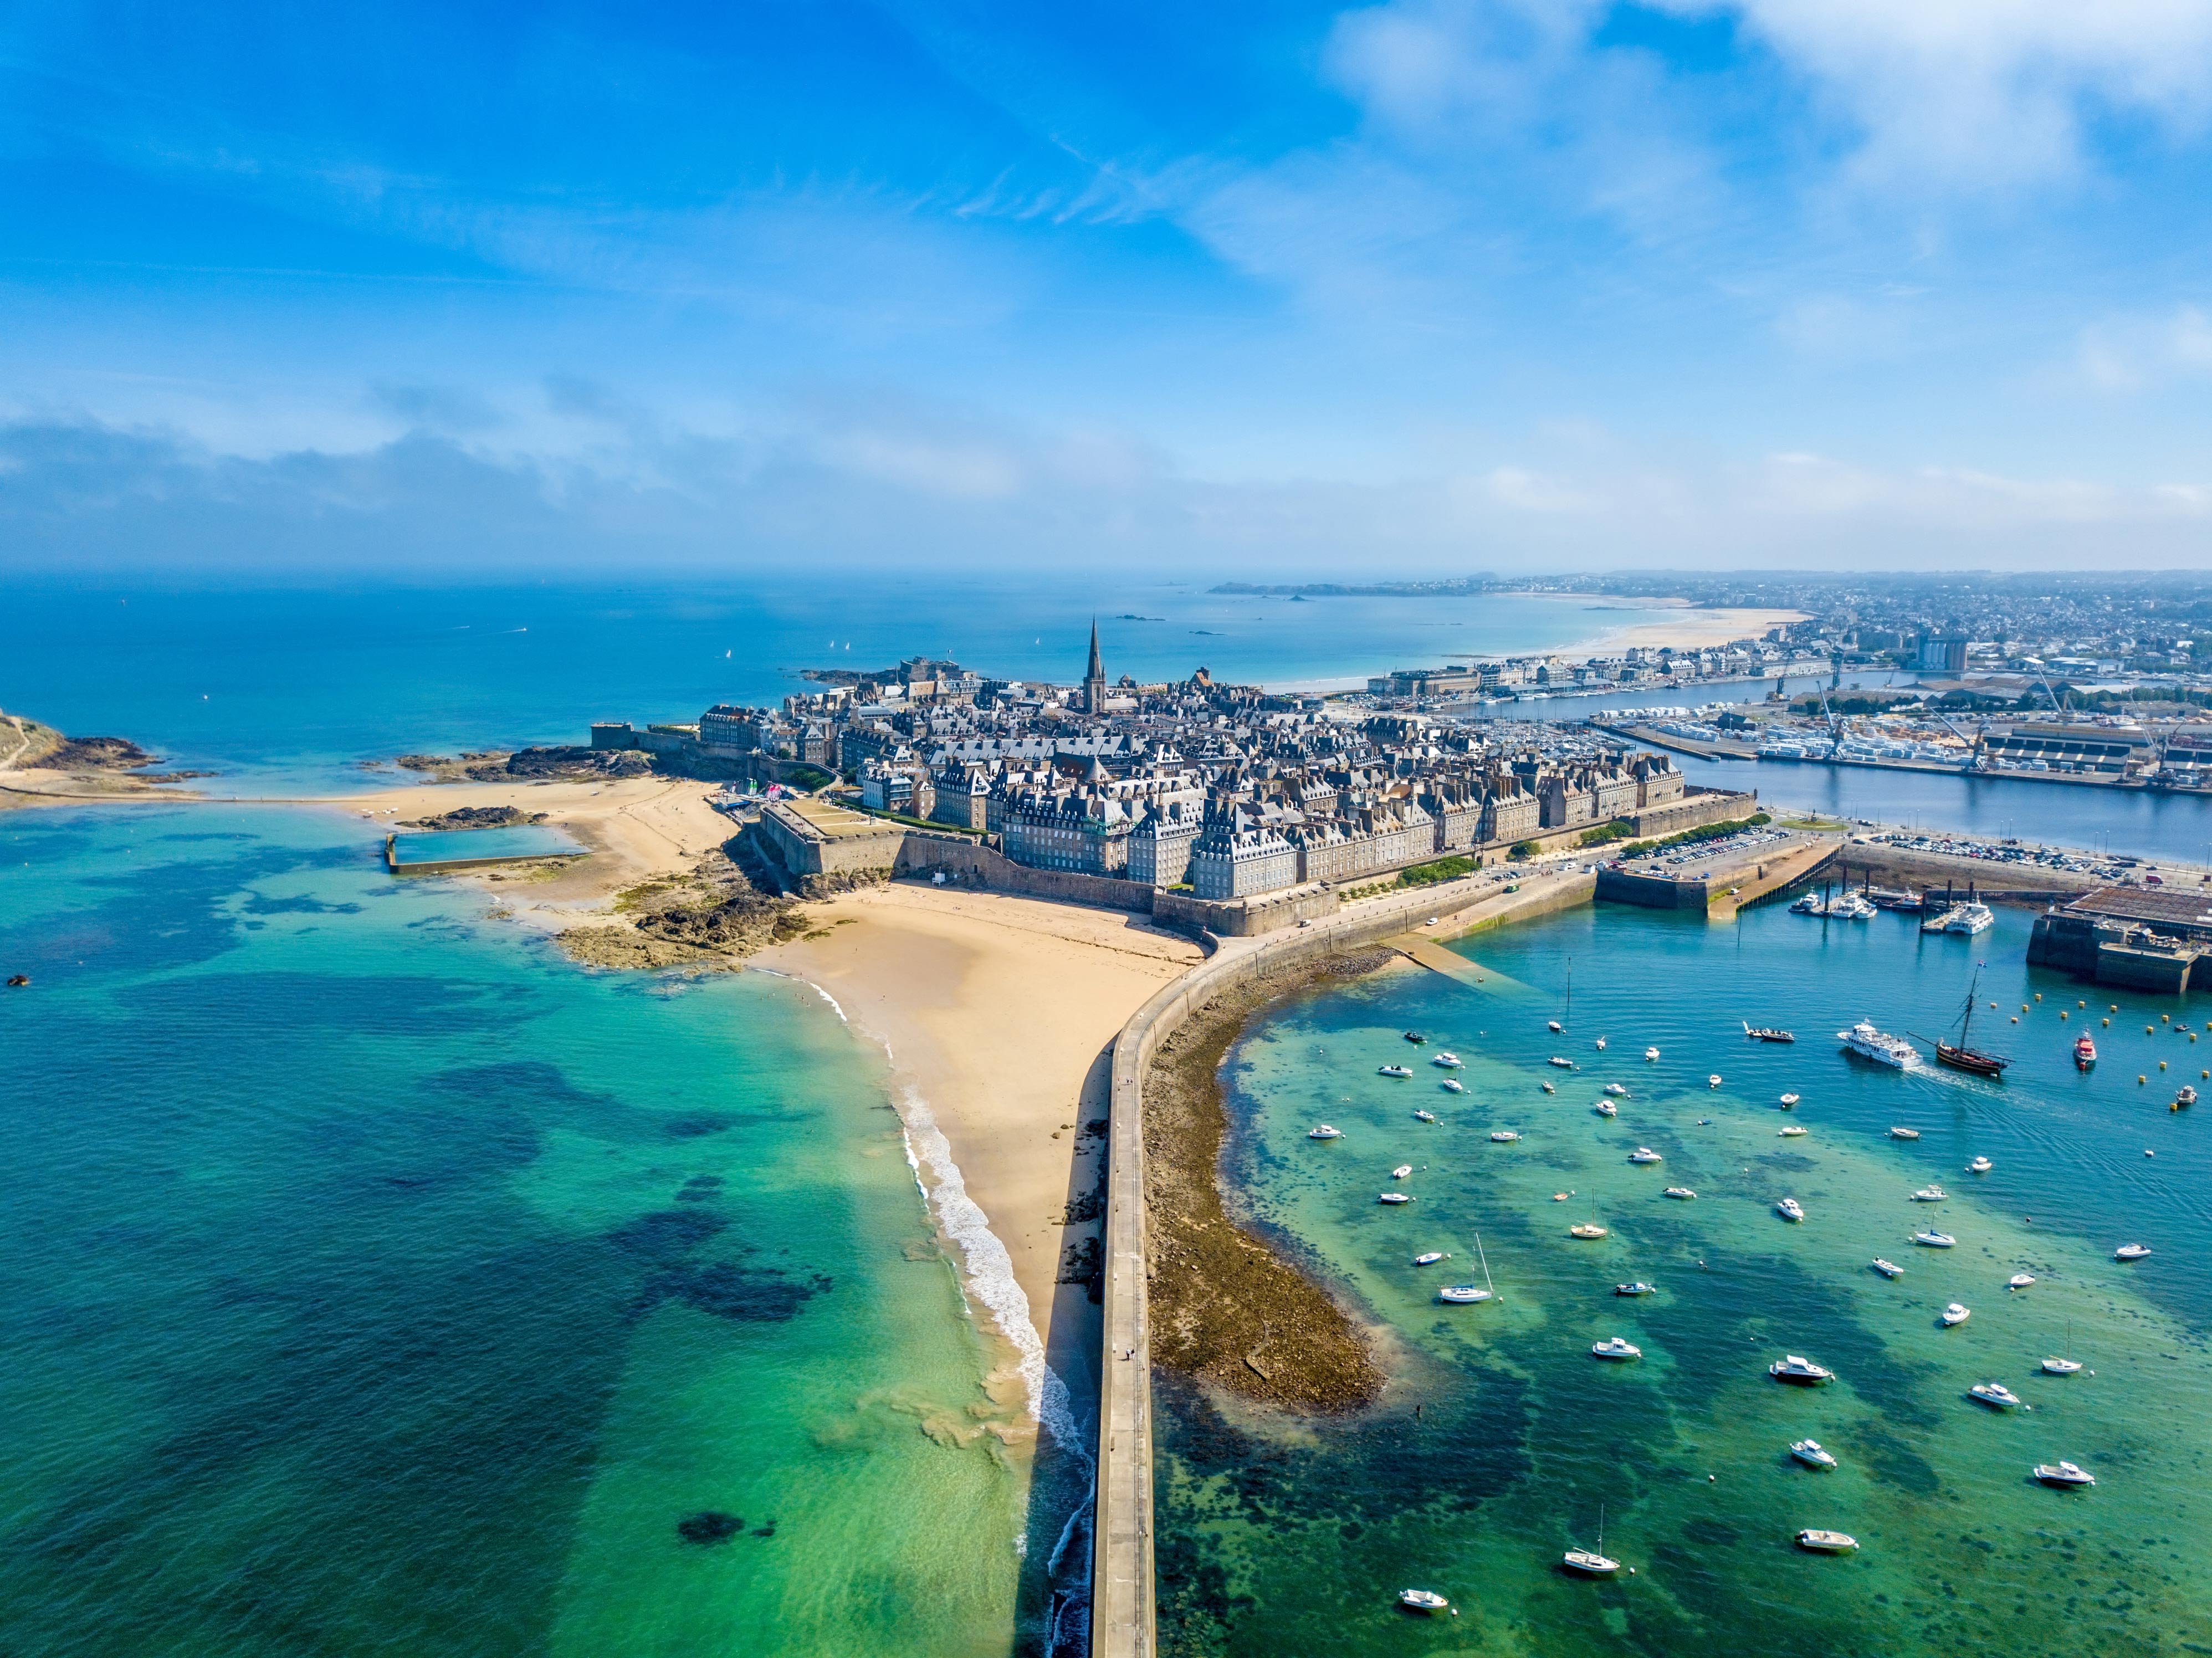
(1123, 1593)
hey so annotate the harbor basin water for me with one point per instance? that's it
(1501, 1440)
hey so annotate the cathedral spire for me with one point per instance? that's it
(1094, 676)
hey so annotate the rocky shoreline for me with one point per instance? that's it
(726, 907)
(1226, 1308)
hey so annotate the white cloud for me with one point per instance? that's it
(824, 488)
(1987, 90)
(2134, 353)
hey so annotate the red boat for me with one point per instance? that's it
(2085, 1053)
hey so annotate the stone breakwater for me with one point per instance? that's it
(1123, 1584)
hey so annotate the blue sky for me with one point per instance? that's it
(1398, 289)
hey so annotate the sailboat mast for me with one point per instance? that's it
(1488, 1282)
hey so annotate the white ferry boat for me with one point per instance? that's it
(1863, 1040)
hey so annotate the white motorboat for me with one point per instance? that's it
(1808, 1452)
(1796, 1367)
(1616, 1090)
(1392, 1197)
(1713, 1081)
(1599, 1044)
(1555, 1026)
(1430, 1259)
(1564, 1064)
(1789, 1209)
(1868, 1043)
(1791, 1132)
(1606, 1108)
(1995, 1394)
(1324, 1133)
(1650, 1053)
(1402, 1171)
(2020, 1280)
(2131, 1252)
(1453, 1085)
(1790, 1102)
(1424, 1116)
(1980, 1166)
(1644, 1154)
(1503, 1136)
(1682, 1191)
(1422, 1600)
(1888, 1268)
(1850, 907)
(1810, 904)
(1586, 1230)
(1445, 1062)
(1931, 1194)
(1638, 1288)
(1905, 1133)
(1827, 1542)
(1615, 1347)
(1394, 1071)
(2064, 1473)
(1547, 1088)
(1955, 1314)
(1930, 1238)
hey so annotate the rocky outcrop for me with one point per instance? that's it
(469, 817)
(715, 915)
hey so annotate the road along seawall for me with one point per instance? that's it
(1123, 1594)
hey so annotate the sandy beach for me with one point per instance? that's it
(999, 1013)
(1685, 628)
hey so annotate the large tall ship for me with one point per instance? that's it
(1863, 1040)
(1963, 1055)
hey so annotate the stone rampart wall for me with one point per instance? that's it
(1123, 1590)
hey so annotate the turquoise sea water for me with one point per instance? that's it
(1501, 1436)
(285, 690)
(373, 1282)
(519, 840)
